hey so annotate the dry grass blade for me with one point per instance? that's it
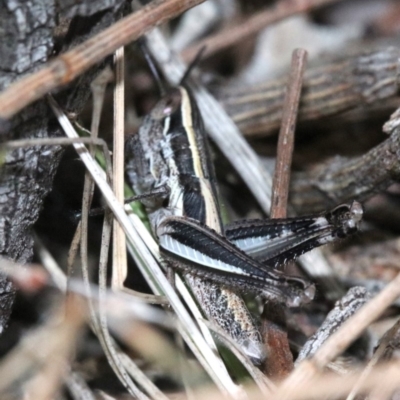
(73, 250)
(57, 275)
(120, 268)
(134, 371)
(100, 322)
(111, 349)
(17, 144)
(279, 362)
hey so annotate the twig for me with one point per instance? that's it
(17, 144)
(342, 180)
(251, 26)
(344, 308)
(336, 87)
(279, 362)
(71, 64)
(120, 267)
(280, 187)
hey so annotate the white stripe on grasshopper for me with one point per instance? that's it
(212, 219)
(257, 245)
(190, 254)
(187, 120)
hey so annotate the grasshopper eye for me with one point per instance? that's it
(167, 105)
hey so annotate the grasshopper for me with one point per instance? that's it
(171, 151)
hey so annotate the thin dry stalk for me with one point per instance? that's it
(120, 268)
(17, 144)
(100, 323)
(235, 34)
(279, 362)
(68, 66)
(280, 187)
(98, 89)
(110, 348)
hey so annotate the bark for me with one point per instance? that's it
(31, 32)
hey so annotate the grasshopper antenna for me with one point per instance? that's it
(152, 66)
(193, 64)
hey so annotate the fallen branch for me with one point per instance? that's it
(66, 67)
